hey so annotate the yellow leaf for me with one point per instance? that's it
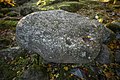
(100, 20)
(104, 0)
(106, 66)
(10, 2)
(39, 2)
(65, 68)
(49, 65)
(18, 72)
(52, 78)
(109, 74)
(71, 74)
(114, 1)
(49, 69)
(56, 75)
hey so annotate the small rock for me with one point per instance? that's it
(11, 53)
(114, 26)
(4, 43)
(117, 56)
(77, 72)
(104, 56)
(33, 74)
(118, 71)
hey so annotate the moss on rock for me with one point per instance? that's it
(71, 6)
(12, 14)
(6, 24)
(1, 15)
(5, 10)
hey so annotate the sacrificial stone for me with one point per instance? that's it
(60, 36)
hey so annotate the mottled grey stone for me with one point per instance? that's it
(11, 53)
(117, 56)
(61, 37)
(33, 74)
(105, 56)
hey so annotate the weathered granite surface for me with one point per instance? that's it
(61, 37)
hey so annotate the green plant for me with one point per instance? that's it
(44, 2)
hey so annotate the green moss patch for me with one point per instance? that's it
(8, 24)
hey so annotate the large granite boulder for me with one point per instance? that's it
(61, 37)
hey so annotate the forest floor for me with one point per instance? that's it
(106, 13)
